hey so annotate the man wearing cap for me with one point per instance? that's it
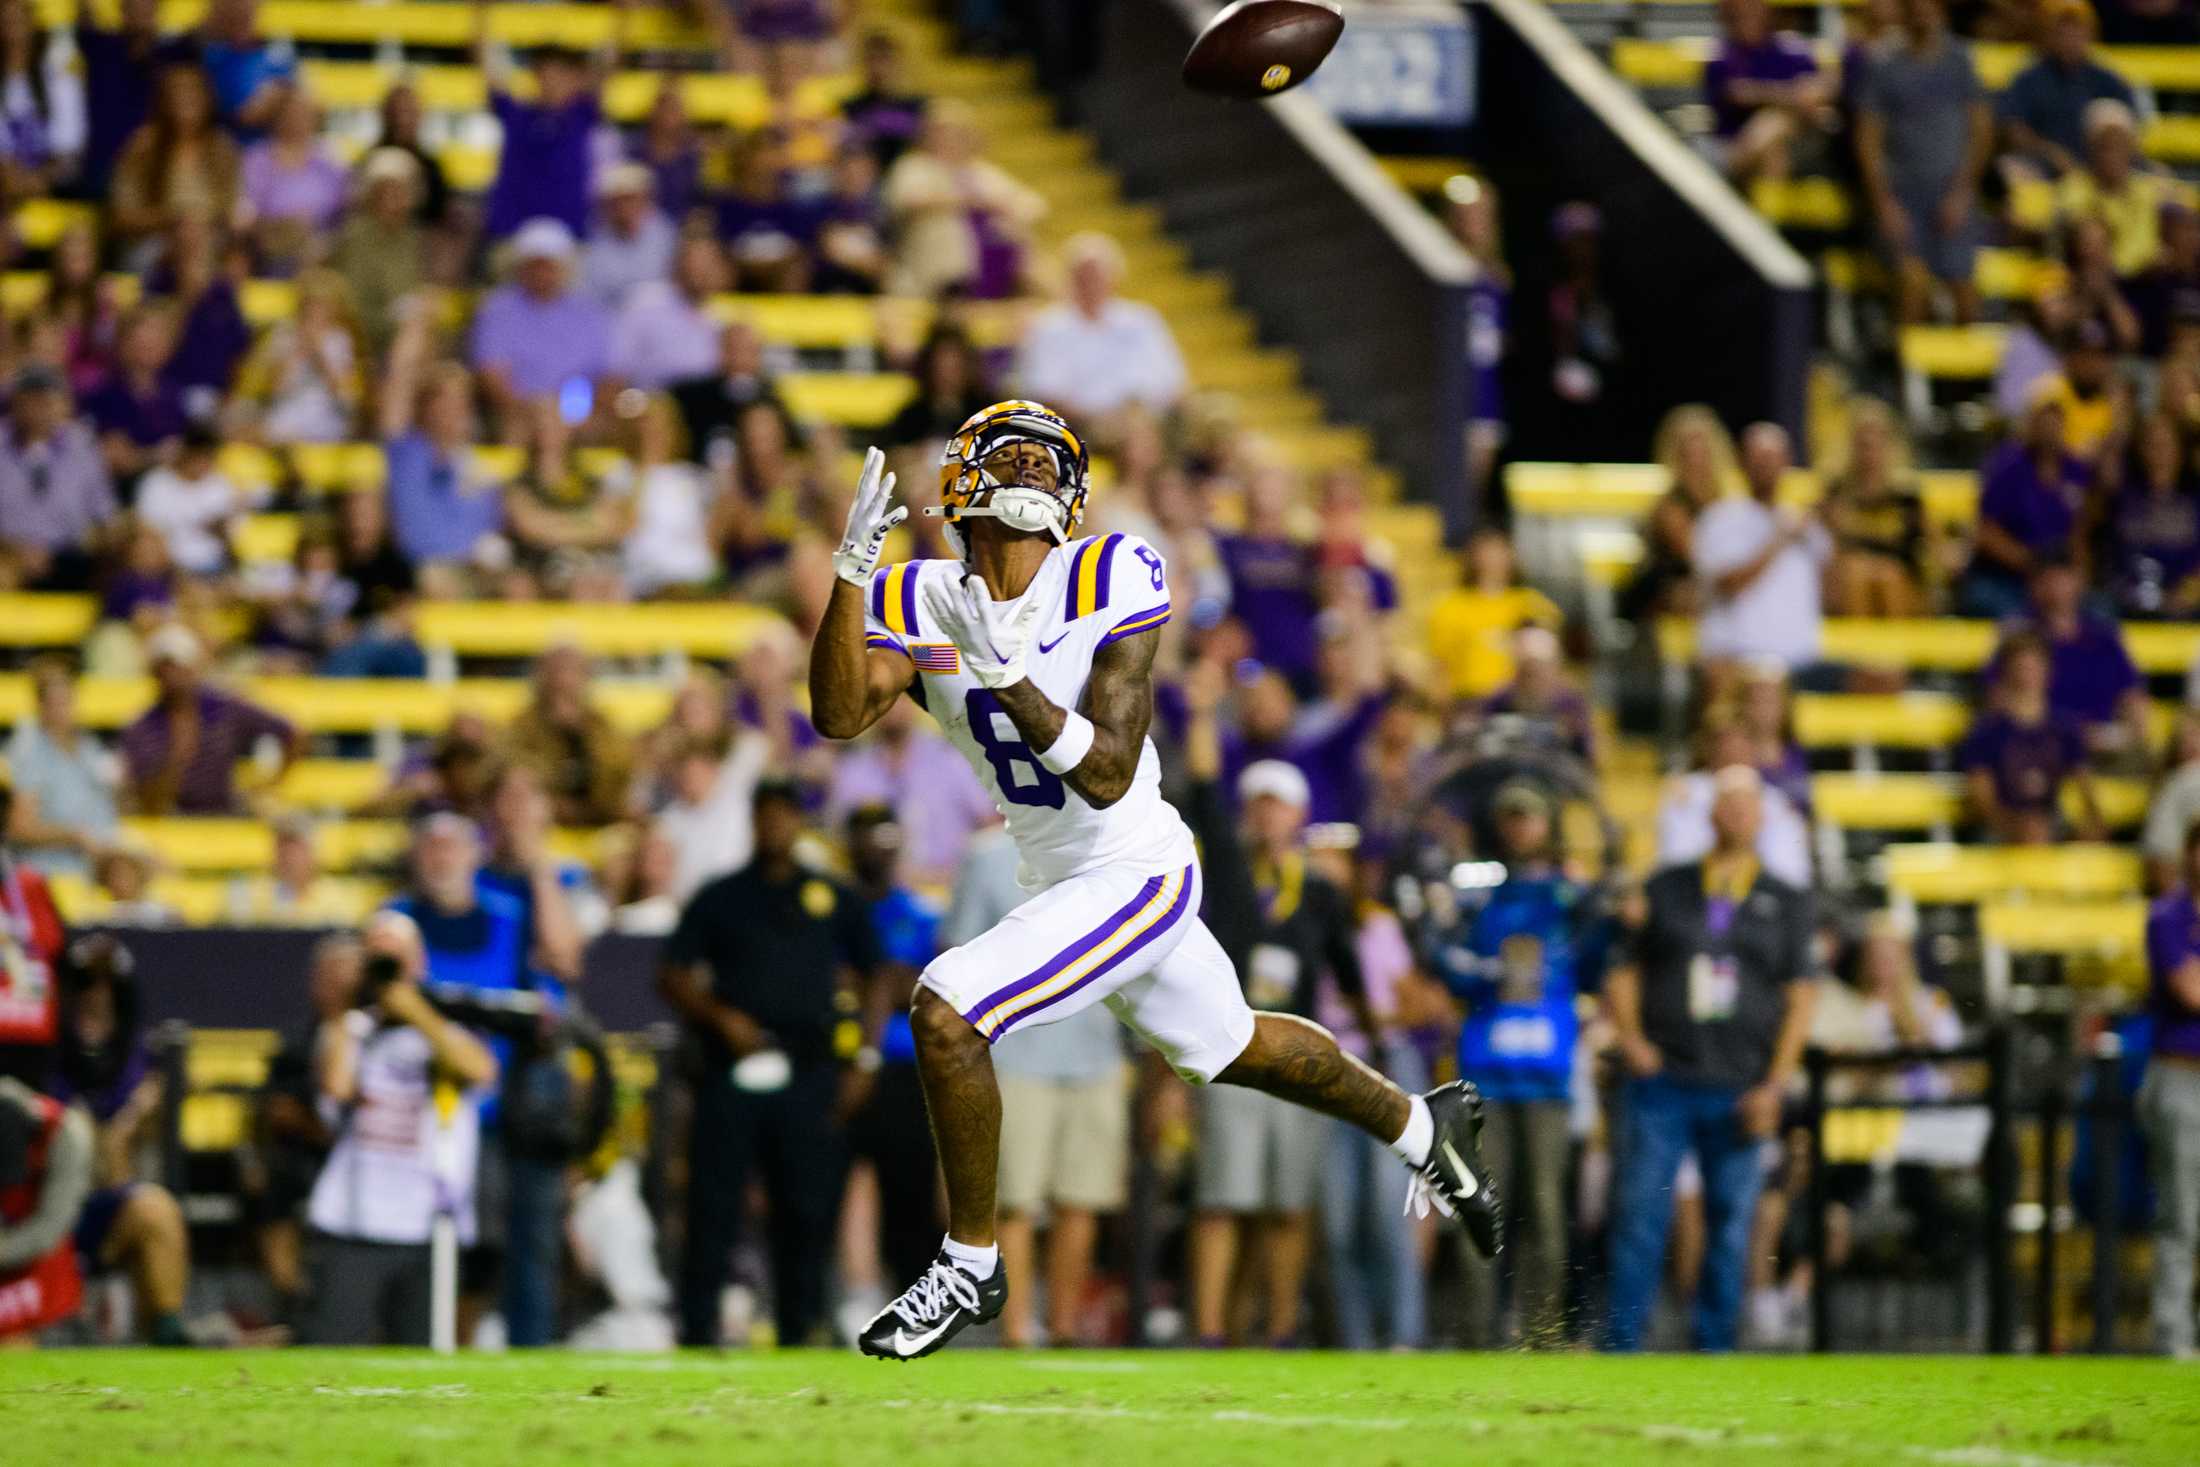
(55, 495)
(1523, 950)
(536, 336)
(1762, 566)
(1284, 927)
(381, 248)
(762, 968)
(1711, 1005)
(632, 242)
(181, 755)
(2043, 108)
(2116, 186)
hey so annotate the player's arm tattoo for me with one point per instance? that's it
(1119, 701)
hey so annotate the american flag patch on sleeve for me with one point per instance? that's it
(936, 657)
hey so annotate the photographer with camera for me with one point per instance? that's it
(400, 1086)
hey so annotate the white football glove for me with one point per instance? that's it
(870, 520)
(993, 639)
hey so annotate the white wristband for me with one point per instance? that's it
(1071, 746)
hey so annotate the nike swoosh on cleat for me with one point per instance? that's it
(1046, 646)
(908, 1344)
(1462, 1169)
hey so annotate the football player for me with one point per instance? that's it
(1034, 652)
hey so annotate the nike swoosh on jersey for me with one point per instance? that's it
(1473, 1186)
(1047, 646)
(908, 1344)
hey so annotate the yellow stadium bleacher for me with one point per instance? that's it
(361, 705)
(1947, 874)
(1911, 720)
(2107, 937)
(1934, 802)
(1949, 644)
(1627, 491)
(446, 25)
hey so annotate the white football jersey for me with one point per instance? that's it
(1095, 590)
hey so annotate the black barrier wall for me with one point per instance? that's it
(1377, 336)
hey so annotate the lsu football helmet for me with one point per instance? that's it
(968, 489)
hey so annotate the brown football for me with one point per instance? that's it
(1258, 48)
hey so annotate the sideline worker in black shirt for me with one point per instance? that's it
(1712, 1013)
(757, 969)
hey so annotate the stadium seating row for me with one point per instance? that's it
(1949, 644)
(427, 25)
(1627, 491)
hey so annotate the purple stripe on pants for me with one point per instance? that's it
(1071, 954)
(1129, 949)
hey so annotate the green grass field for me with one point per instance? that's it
(977, 1407)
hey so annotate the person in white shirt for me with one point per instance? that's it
(400, 1158)
(1095, 354)
(710, 819)
(633, 242)
(671, 542)
(1684, 814)
(1761, 568)
(190, 503)
(664, 331)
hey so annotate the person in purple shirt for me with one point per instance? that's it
(2032, 490)
(2020, 752)
(1322, 740)
(886, 114)
(2169, 1101)
(1764, 88)
(539, 336)
(1272, 577)
(181, 755)
(546, 169)
(212, 335)
(2092, 679)
(2153, 528)
(1551, 712)
(934, 793)
(118, 67)
(138, 410)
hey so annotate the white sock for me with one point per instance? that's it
(1420, 1134)
(979, 1263)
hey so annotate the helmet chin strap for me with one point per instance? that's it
(1018, 507)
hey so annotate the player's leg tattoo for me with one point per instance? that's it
(956, 1065)
(1300, 1061)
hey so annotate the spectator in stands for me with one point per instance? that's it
(2165, 297)
(666, 332)
(398, 1160)
(81, 303)
(200, 279)
(292, 184)
(1470, 209)
(293, 891)
(403, 113)
(950, 209)
(64, 798)
(181, 755)
(1587, 354)
(668, 148)
(1764, 90)
(1924, 133)
(2021, 751)
(42, 116)
(1762, 566)
(706, 821)
(1712, 1005)
(2114, 188)
(852, 254)
(582, 760)
(1693, 448)
(1354, 564)
(2093, 680)
(249, 75)
(2169, 1101)
(566, 522)
(1271, 728)
(2043, 109)
(1877, 521)
(2153, 527)
(442, 510)
(119, 69)
(711, 403)
(2097, 296)
(2175, 807)
(906, 763)
(1271, 571)
(381, 248)
(2032, 489)
(303, 383)
(563, 910)
(1687, 821)
(1550, 713)
(1521, 953)
(768, 230)
(631, 242)
(55, 496)
(139, 587)
(1471, 627)
(138, 411)
(885, 115)
(1095, 353)
(951, 387)
(1766, 714)
(547, 164)
(670, 547)
(192, 504)
(538, 337)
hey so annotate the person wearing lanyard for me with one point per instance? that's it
(31, 942)
(2169, 1101)
(1522, 951)
(757, 968)
(1712, 1009)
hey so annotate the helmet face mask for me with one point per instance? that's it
(980, 477)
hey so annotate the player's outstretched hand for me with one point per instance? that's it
(870, 520)
(992, 639)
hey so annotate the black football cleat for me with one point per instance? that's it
(1454, 1181)
(933, 1310)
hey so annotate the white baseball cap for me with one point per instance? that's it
(173, 642)
(1276, 778)
(542, 239)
